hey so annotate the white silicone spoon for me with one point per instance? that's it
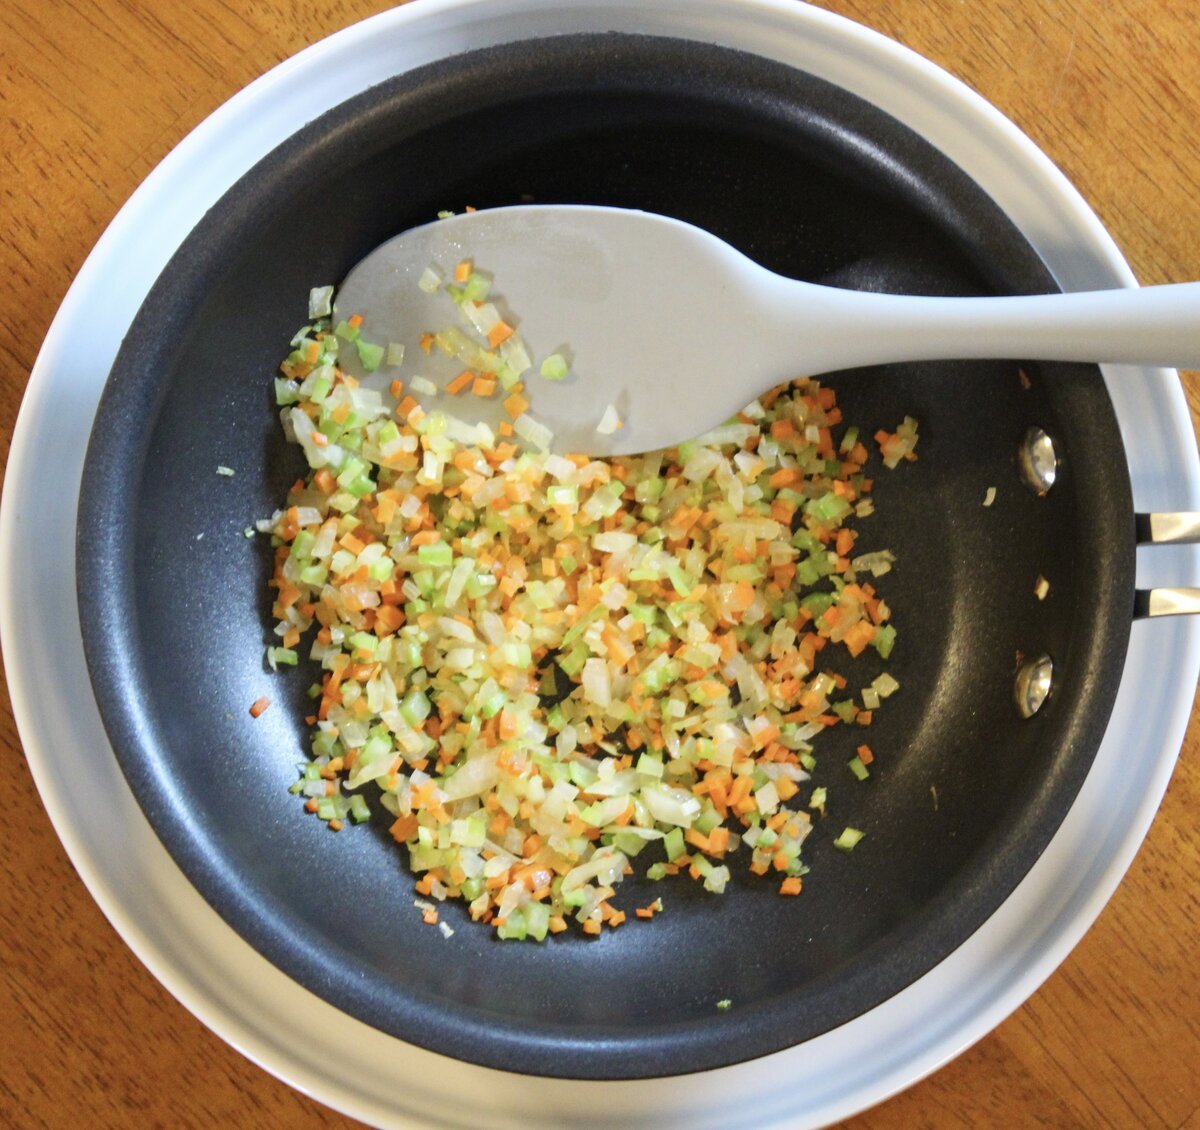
(679, 331)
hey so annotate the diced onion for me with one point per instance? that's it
(431, 279)
(609, 421)
(534, 431)
(320, 302)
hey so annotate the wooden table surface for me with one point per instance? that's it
(94, 93)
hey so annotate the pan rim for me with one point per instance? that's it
(27, 707)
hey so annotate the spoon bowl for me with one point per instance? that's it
(678, 331)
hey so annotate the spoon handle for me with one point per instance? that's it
(1154, 325)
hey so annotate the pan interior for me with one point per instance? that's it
(813, 183)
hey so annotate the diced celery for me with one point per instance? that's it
(537, 919)
(415, 708)
(845, 710)
(673, 843)
(514, 928)
(554, 367)
(650, 765)
(816, 603)
(286, 392)
(370, 354)
(324, 743)
(439, 554)
(848, 839)
(885, 640)
(477, 287)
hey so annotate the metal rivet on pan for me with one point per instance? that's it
(1037, 461)
(1032, 686)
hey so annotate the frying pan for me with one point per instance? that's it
(812, 182)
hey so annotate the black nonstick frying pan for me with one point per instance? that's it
(967, 792)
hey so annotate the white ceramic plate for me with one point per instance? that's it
(273, 1020)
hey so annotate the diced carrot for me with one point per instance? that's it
(865, 755)
(388, 619)
(508, 726)
(462, 270)
(618, 650)
(515, 405)
(718, 840)
(790, 886)
(698, 840)
(743, 596)
(259, 706)
(484, 386)
(460, 382)
(499, 334)
(403, 828)
(782, 575)
(740, 789)
(859, 636)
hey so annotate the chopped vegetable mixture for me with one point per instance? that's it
(549, 669)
